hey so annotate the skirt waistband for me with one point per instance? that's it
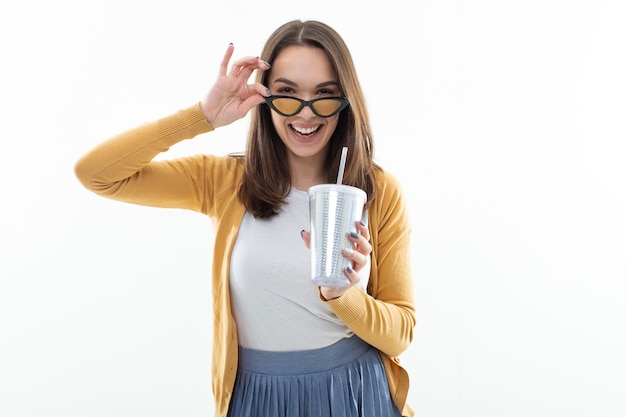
(302, 361)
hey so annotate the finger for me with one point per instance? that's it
(259, 88)
(253, 99)
(245, 66)
(357, 259)
(306, 236)
(227, 55)
(256, 94)
(362, 245)
(352, 275)
(363, 230)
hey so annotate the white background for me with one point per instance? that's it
(505, 121)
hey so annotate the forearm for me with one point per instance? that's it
(386, 318)
(124, 155)
(388, 326)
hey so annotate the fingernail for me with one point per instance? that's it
(354, 235)
(267, 90)
(350, 270)
(267, 64)
(362, 223)
(302, 233)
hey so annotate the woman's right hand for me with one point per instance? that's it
(231, 97)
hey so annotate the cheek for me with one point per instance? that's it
(279, 122)
(332, 124)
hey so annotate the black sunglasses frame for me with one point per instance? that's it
(304, 103)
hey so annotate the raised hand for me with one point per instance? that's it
(231, 97)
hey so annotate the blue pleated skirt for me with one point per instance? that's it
(346, 379)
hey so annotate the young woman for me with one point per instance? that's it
(282, 346)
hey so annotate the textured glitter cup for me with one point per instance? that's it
(334, 210)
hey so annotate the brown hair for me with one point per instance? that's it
(266, 180)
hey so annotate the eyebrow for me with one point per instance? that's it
(293, 84)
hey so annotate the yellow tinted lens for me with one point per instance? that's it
(286, 105)
(326, 107)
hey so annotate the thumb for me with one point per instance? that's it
(306, 236)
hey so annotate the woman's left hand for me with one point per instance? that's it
(358, 255)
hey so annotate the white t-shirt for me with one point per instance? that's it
(275, 305)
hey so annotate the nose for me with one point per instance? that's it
(307, 111)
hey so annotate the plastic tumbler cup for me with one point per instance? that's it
(334, 211)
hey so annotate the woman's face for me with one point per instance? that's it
(305, 73)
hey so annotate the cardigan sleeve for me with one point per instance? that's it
(385, 316)
(123, 167)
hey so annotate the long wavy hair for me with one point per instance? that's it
(266, 180)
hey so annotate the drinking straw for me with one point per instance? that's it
(342, 165)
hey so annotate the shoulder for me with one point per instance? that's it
(389, 204)
(219, 178)
(222, 165)
(215, 173)
(387, 185)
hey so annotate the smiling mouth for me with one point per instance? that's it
(305, 131)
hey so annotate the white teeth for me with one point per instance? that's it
(305, 130)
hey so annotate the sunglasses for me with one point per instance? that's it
(322, 107)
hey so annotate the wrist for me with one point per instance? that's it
(329, 295)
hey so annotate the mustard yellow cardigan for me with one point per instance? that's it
(123, 168)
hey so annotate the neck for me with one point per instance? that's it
(306, 172)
